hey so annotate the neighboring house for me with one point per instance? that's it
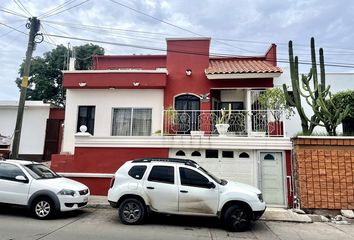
(167, 106)
(338, 81)
(33, 132)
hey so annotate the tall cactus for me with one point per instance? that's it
(325, 114)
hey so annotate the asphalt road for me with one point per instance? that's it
(103, 224)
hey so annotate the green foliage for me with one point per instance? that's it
(317, 96)
(274, 100)
(84, 54)
(344, 99)
(46, 77)
(224, 116)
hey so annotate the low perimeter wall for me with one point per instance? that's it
(324, 172)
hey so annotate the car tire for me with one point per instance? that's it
(131, 211)
(237, 218)
(43, 208)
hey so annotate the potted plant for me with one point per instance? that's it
(170, 120)
(274, 101)
(222, 123)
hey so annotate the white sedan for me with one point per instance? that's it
(40, 189)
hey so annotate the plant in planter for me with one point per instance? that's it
(222, 123)
(170, 120)
(274, 101)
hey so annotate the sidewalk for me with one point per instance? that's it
(271, 214)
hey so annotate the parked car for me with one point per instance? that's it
(40, 189)
(181, 186)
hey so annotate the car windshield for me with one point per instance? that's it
(216, 179)
(39, 171)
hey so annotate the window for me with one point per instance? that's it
(131, 122)
(180, 153)
(137, 172)
(163, 174)
(244, 155)
(196, 154)
(10, 172)
(86, 117)
(211, 153)
(269, 157)
(227, 154)
(192, 178)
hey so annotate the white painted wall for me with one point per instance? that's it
(337, 81)
(105, 100)
(35, 118)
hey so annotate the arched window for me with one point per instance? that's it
(244, 155)
(187, 107)
(180, 153)
(269, 157)
(196, 154)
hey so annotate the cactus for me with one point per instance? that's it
(319, 97)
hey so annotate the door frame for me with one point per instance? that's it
(283, 171)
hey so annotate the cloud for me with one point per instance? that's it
(262, 21)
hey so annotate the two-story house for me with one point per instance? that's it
(136, 106)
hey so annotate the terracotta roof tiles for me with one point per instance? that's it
(226, 66)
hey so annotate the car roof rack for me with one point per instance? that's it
(174, 160)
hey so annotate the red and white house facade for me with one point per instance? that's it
(167, 106)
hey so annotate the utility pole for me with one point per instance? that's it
(34, 26)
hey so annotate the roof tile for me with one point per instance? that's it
(227, 66)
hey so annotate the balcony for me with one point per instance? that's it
(242, 123)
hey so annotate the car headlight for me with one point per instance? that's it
(260, 197)
(67, 192)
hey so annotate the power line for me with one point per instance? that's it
(12, 12)
(7, 33)
(57, 8)
(21, 6)
(67, 9)
(331, 64)
(173, 25)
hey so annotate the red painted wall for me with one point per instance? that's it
(57, 113)
(97, 186)
(115, 80)
(194, 55)
(271, 55)
(288, 182)
(146, 62)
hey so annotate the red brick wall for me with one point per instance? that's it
(325, 172)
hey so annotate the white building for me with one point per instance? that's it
(33, 132)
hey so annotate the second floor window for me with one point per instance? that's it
(131, 122)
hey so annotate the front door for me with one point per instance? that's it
(187, 107)
(272, 178)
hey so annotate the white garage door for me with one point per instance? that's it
(234, 165)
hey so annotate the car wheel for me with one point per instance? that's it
(131, 211)
(237, 218)
(43, 208)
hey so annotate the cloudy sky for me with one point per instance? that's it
(236, 27)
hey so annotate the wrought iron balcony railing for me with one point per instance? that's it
(241, 122)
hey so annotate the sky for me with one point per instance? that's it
(236, 28)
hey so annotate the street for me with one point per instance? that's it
(92, 223)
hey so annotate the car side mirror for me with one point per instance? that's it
(211, 185)
(21, 178)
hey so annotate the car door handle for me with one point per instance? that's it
(183, 191)
(150, 187)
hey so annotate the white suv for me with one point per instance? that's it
(40, 189)
(178, 186)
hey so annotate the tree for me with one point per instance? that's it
(342, 101)
(274, 100)
(46, 77)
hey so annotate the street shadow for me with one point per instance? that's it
(19, 211)
(183, 221)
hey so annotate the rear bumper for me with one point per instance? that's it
(113, 204)
(258, 214)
